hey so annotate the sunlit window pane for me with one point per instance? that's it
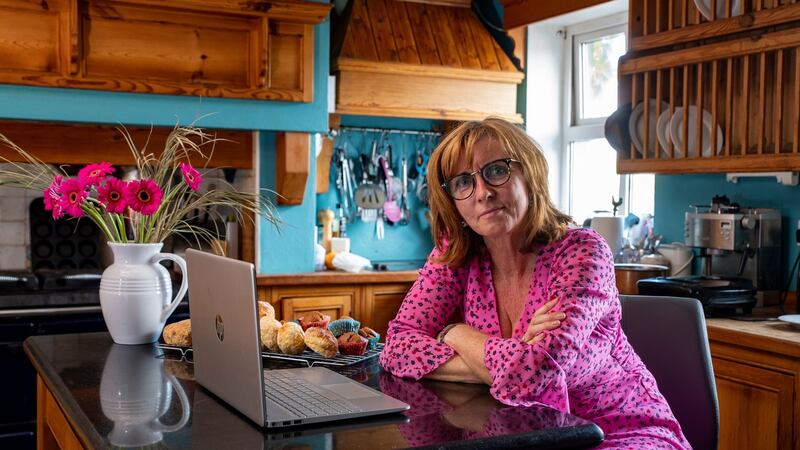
(642, 194)
(593, 178)
(598, 75)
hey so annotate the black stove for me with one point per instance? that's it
(716, 294)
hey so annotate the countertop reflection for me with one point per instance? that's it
(138, 396)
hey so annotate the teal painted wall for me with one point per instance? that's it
(674, 194)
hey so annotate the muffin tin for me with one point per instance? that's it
(63, 243)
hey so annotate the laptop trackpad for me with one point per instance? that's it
(350, 390)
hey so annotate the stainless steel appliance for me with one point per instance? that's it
(740, 256)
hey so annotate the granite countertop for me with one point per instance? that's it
(134, 396)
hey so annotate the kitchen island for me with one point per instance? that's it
(93, 393)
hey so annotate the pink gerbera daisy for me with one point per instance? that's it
(143, 196)
(94, 174)
(73, 193)
(191, 176)
(112, 195)
(51, 196)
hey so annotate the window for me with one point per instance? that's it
(592, 53)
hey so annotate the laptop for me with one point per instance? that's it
(227, 356)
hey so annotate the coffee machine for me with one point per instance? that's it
(740, 254)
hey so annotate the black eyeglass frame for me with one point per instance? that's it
(480, 170)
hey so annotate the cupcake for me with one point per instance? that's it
(352, 344)
(370, 335)
(291, 339)
(314, 319)
(344, 324)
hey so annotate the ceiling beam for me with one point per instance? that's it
(524, 12)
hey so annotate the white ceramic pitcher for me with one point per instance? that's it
(135, 392)
(136, 292)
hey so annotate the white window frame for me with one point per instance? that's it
(586, 129)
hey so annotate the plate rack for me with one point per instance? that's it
(750, 88)
(662, 23)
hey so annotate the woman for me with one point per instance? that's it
(503, 254)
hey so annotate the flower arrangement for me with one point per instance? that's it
(163, 200)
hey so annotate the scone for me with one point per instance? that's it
(179, 334)
(321, 341)
(265, 309)
(269, 333)
(291, 339)
(314, 319)
(352, 344)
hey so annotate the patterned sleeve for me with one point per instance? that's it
(582, 278)
(411, 348)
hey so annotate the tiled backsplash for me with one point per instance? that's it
(15, 223)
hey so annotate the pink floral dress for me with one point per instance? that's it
(586, 367)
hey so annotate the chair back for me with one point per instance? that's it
(669, 335)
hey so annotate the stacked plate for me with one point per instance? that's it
(670, 130)
(704, 6)
(636, 124)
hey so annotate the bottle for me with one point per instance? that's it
(335, 223)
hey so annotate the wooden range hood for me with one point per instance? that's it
(398, 58)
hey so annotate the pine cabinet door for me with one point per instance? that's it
(755, 406)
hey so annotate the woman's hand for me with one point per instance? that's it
(543, 320)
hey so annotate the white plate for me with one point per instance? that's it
(675, 131)
(704, 6)
(793, 319)
(636, 124)
(662, 130)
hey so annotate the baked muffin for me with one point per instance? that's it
(314, 319)
(179, 334)
(291, 339)
(265, 309)
(344, 324)
(321, 341)
(352, 344)
(269, 333)
(370, 335)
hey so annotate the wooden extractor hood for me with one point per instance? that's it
(399, 58)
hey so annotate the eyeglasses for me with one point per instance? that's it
(495, 173)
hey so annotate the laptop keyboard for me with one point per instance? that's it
(303, 398)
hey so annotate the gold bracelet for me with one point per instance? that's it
(445, 330)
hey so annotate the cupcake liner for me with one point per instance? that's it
(373, 341)
(353, 348)
(342, 326)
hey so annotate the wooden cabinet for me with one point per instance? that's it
(53, 430)
(731, 98)
(334, 301)
(757, 371)
(371, 298)
(380, 305)
(251, 50)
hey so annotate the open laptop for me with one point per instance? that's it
(227, 356)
